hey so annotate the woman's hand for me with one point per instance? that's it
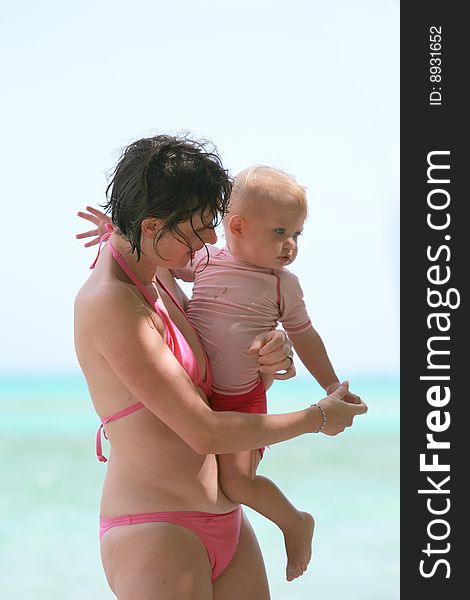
(274, 351)
(339, 413)
(99, 219)
(349, 396)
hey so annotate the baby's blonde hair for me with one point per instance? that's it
(263, 182)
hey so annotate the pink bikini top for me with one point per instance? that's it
(173, 338)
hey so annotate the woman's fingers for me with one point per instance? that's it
(359, 408)
(99, 219)
(352, 399)
(92, 243)
(340, 413)
(95, 211)
(278, 341)
(85, 234)
(340, 392)
(274, 350)
(93, 218)
(277, 354)
(287, 374)
(274, 362)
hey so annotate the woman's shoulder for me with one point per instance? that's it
(108, 300)
(112, 318)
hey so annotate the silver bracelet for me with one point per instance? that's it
(323, 425)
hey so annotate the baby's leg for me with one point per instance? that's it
(239, 482)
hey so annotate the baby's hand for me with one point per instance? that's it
(348, 397)
(99, 219)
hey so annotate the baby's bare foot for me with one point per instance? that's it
(298, 542)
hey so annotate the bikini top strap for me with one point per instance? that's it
(118, 415)
(207, 384)
(147, 295)
(122, 263)
(122, 413)
(135, 280)
(105, 237)
(173, 298)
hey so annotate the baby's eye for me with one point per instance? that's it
(280, 230)
(296, 234)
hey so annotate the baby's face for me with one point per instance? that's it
(270, 236)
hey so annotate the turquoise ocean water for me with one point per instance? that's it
(51, 480)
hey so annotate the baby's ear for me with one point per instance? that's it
(236, 224)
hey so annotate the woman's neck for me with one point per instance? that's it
(144, 268)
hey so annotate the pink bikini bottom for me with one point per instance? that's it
(251, 402)
(218, 532)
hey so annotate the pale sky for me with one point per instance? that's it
(311, 87)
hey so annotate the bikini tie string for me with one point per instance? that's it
(104, 238)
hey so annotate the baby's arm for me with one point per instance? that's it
(307, 342)
(312, 352)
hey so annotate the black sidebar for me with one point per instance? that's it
(435, 257)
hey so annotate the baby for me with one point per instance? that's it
(242, 290)
(239, 292)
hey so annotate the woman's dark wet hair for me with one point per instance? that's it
(169, 178)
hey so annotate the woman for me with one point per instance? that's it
(148, 378)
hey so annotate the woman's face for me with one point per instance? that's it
(175, 250)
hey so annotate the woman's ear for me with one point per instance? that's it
(236, 225)
(150, 226)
